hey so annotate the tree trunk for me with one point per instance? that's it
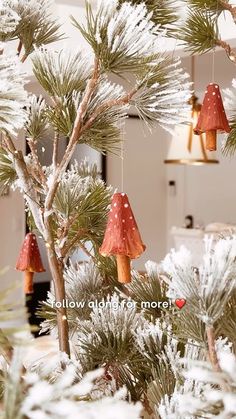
(56, 268)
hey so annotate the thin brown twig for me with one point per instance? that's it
(24, 58)
(27, 186)
(55, 150)
(19, 48)
(230, 8)
(229, 51)
(86, 251)
(67, 247)
(211, 348)
(107, 105)
(34, 151)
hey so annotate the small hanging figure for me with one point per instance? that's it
(212, 117)
(122, 237)
(29, 261)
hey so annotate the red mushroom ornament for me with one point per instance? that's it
(212, 117)
(29, 261)
(122, 237)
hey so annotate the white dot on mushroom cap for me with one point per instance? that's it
(133, 228)
(213, 93)
(123, 238)
(123, 194)
(131, 218)
(126, 205)
(116, 215)
(123, 221)
(216, 86)
(115, 204)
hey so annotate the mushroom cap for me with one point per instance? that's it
(122, 236)
(29, 258)
(212, 116)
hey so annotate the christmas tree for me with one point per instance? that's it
(174, 359)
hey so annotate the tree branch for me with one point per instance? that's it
(211, 348)
(41, 174)
(230, 53)
(107, 105)
(55, 150)
(230, 8)
(86, 251)
(26, 183)
(67, 247)
(74, 137)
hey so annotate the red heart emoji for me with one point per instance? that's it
(180, 302)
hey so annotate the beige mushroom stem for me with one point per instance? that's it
(123, 269)
(211, 140)
(28, 283)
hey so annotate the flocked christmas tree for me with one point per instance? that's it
(177, 361)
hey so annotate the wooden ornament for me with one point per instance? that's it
(122, 237)
(212, 117)
(29, 261)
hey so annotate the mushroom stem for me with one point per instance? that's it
(211, 140)
(28, 284)
(123, 269)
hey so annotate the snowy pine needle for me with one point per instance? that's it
(13, 97)
(35, 25)
(123, 38)
(208, 287)
(61, 73)
(8, 20)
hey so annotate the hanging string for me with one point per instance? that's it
(122, 160)
(213, 66)
(193, 71)
(214, 48)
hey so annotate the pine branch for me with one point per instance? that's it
(147, 289)
(7, 172)
(107, 105)
(13, 97)
(37, 123)
(199, 32)
(213, 7)
(121, 38)
(26, 183)
(74, 137)
(59, 73)
(35, 25)
(84, 283)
